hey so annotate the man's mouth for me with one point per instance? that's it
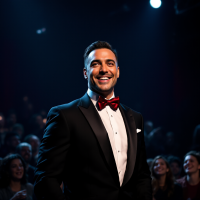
(104, 79)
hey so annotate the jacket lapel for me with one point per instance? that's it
(87, 108)
(132, 142)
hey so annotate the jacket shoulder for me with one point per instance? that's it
(63, 107)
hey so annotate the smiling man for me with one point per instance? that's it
(95, 144)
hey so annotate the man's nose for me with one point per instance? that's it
(103, 67)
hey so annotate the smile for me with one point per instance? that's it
(104, 79)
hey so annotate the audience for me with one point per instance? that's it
(25, 151)
(196, 139)
(18, 128)
(34, 141)
(15, 185)
(176, 166)
(156, 144)
(191, 182)
(2, 129)
(13, 182)
(164, 186)
(11, 119)
(37, 126)
(10, 143)
(171, 146)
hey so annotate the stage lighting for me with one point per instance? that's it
(40, 31)
(155, 3)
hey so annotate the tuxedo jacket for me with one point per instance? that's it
(76, 149)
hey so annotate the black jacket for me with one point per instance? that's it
(76, 149)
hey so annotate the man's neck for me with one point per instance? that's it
(105, 95)
(193, 179)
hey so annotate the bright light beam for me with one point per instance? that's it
(155, 3)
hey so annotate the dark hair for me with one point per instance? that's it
(196, 135)
(196, 155)
(5, 170)
(28, 137)
(9, 135)
(175, 159)
(98, 45)
(169, 182)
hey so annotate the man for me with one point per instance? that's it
(92, 147)
(11, 141)
(34, 141)
(24, 149)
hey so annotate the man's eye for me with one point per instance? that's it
(110, 64)
(94, 64)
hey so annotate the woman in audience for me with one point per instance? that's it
(191, 182)
(164, 187)
(13, 181)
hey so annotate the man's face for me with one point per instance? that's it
(26, 153)
(13, 142)
(175, 168)
(102, 71)
(35, 143)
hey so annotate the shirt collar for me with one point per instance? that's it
(94, 96)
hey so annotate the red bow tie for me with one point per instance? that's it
(113, 103)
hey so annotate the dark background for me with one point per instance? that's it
(158, 49)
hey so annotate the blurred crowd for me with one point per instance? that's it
(175, 169)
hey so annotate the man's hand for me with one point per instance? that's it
(19, 195)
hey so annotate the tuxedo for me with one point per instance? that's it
(76, 149)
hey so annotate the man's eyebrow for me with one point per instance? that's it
(96, 61)
(110, 60)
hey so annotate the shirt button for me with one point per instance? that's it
(111, 115)
(118, 151)
(116, 133)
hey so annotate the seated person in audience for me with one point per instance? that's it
(11, 119)
(13, 182)
(164, 187)
(156, 143)
(18, 128)
(10, 143)
(175, 165)
(36, 126)
(25, 150)
(196, 139)
(34, 141)
(191, 182)
(2, 129)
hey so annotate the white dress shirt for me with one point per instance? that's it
(115, 127)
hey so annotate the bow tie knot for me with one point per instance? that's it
(113, 103)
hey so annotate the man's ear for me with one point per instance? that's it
(118, 72)
(85, 73)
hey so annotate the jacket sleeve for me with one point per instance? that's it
(143, 183)
(53, 150)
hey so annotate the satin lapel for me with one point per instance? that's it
(87, 108)
(132, 142)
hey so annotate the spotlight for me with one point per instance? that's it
(155, 3)
(40, 31)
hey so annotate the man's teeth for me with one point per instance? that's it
(104, 78)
